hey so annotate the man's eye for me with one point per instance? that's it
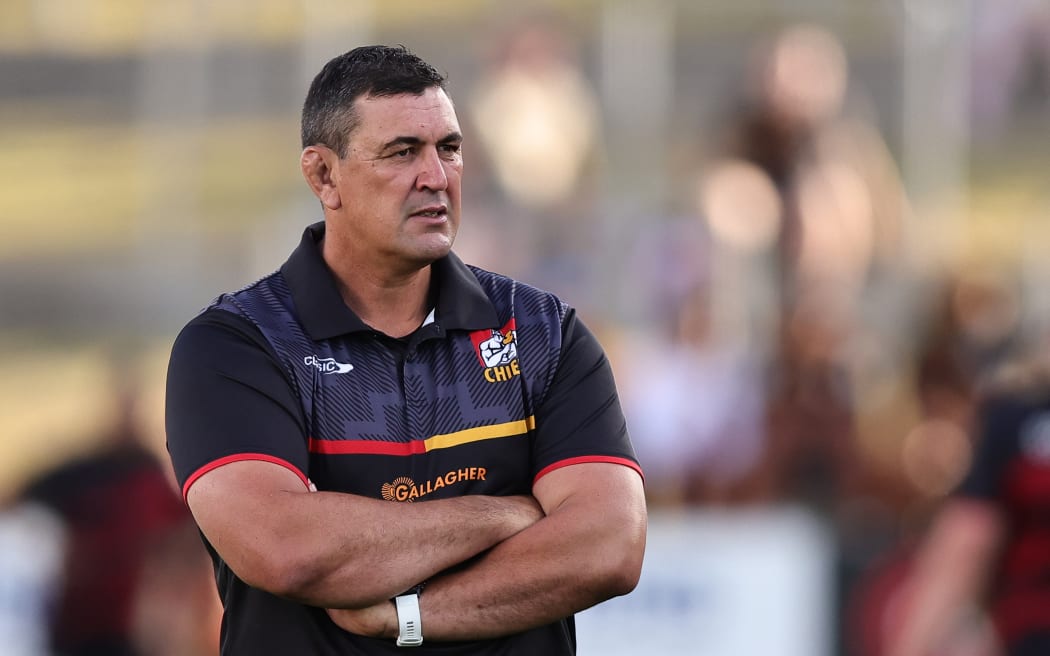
(404, 152)
(450, 148)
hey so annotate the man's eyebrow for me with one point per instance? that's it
(451, 137)
(401, 141)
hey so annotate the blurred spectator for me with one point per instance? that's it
(812, 455)
(988, 549)
(926, 444)
(122, 518)
(805, 204)
(536, 114)
(802, 205)
(837, 213)
(537, 119)
(176, 611)
(695, 407)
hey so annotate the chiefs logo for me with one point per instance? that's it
(497, 350)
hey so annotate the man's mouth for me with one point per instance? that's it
(432, 212)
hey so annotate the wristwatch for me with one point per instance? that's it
(410, 629)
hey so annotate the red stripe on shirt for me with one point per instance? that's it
(238, 457)
(367, 447)
(582, 459)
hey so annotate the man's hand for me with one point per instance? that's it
(588, 548)
(378, 621)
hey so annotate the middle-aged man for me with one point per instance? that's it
(383, 447)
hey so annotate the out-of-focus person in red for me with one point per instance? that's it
(987, 553)
(129, 542)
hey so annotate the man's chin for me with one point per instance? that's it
(431, 250)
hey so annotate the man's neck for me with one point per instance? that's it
(393, 302)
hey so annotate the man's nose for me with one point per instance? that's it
(431, 172)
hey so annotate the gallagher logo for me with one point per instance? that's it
(405, 489)
(497, 351)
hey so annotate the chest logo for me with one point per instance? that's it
(327, 365)
(497, 351)
(405, 489)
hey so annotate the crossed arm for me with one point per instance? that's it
(582, 543)
(586, 549)
(340, 550)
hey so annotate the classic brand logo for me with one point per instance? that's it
(497, 350)
(327, 365)
(405, 489)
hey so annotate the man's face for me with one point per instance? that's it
(399, 182)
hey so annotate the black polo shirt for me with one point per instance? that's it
(501, 384)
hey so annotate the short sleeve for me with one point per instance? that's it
(580, 418)
(228, 399)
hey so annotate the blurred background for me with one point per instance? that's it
(803, 229)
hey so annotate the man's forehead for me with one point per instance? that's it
(433, 100)
(429, 115)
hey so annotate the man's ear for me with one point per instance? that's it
(318, 165)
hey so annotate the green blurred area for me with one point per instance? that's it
(73, 187)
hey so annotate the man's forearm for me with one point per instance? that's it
(390, 547)
(566, 562)
(339, 550)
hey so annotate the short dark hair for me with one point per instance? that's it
(328, 113)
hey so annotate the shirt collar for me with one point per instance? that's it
(461, 302)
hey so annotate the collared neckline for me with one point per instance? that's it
(461, 302)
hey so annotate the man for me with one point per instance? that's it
(341, 440)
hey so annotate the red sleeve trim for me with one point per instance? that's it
(215, 464)
(581, 459)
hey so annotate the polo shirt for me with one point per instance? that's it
(502, 384)
(1011, 469)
